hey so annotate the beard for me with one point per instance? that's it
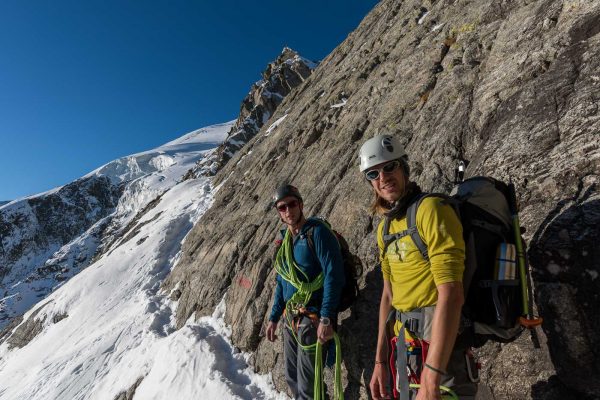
(295, 221)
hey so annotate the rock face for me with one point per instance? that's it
(509, 87)
(41, 221)
(128, 395)
(33, 230)
(278, 79)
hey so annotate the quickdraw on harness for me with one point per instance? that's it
(289, 271)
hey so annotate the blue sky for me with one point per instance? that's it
(85, 82)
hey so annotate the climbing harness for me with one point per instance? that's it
(409, 353)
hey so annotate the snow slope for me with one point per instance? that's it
(114, 325)
(145, 175)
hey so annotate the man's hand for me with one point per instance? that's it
(324, 333)
(444, 327)
(271, 331)
(430, 385)
(378, 382)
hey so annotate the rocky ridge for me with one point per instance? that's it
(286, 72)
(511, 88)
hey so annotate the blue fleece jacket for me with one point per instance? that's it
(326, 257)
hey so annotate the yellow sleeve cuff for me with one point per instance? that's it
(450, 272)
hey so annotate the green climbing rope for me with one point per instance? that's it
(319, 388)
(287, 268)
(447, 395)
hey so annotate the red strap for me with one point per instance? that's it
(413, 377)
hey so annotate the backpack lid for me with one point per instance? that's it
(484, 193)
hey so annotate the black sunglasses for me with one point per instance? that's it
(390, 167)
(284, 206)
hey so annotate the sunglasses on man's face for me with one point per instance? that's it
(388, 168)
(282, 207)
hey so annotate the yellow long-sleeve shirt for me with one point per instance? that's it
(413, 279)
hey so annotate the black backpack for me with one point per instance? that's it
(353, 267)
(492, 280)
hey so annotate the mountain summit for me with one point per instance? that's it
(278, 79)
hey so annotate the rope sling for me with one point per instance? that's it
(287, 268)
(448, 394)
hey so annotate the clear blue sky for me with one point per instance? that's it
(85, 82)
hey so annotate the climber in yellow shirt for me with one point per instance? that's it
(424, 294)
(413, 279)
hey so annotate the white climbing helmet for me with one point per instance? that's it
(380, 149)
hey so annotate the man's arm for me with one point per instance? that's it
(446, 319)
(327, 249)
(278, 302)
(329, 254)
(276, 311)
(439, 224)
(379, 380)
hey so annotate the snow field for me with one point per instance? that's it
(119, 326)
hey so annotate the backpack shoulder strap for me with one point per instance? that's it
(390, 238)
(411, 223)
(314, 221)
(310, 240)
(411, 219)
(411, 227)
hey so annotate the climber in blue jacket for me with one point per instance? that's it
(309, 258)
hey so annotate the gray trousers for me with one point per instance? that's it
(300, 364)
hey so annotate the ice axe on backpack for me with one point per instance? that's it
(529, 321)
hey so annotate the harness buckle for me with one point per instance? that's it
(298, 309)
(412, 325)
